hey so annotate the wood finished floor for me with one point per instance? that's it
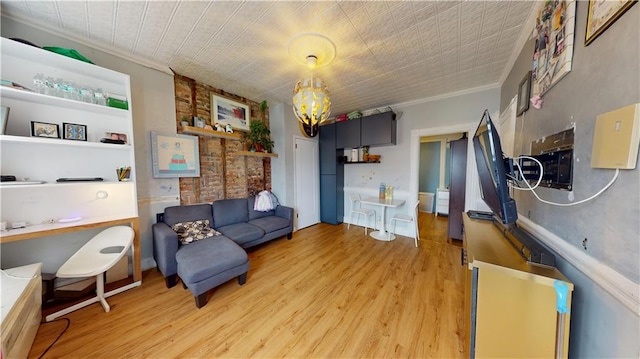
(327, 293)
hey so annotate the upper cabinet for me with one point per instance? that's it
(348, 133)
(378, 130)
(373, 130)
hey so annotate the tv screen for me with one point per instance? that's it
(491, 171)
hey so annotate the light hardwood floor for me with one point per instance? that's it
(327, 293)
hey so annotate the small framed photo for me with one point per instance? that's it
(117, 136)
(42, 129)
(4, 116)
(524, 93)
(74, 131)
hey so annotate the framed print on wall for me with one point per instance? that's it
(74, 131)
(602, 14)
(228, 112)
(42, 129)
(524, 93)
(174, 155)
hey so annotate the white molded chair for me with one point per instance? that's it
(407, 218)
(94, 258)
(357, 210)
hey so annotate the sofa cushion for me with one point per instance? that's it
(192, 231)
(242, 232)
(177, 214)
(270, 224)
(206, 258)
(230, 211)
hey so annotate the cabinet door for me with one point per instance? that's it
(457, 187)
(378, 129)
(327, 143)
(348, 134)
(328, 188)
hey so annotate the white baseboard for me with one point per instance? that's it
(619, 286)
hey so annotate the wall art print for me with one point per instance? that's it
(174, 155)
(228, 112)
(602, 14)
(554, 38)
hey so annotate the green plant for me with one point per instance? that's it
(259, 134)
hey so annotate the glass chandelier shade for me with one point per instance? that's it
(311, 104)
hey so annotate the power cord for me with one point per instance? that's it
(615, 176)
(59, 335)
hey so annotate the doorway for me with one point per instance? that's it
(307, 183)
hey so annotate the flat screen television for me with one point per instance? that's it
(492, 170)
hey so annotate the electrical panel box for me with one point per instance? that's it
(616, 138)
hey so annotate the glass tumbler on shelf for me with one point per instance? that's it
(39, 83)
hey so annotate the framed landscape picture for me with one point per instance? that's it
(228, 112)
(174, 155)
(602, 14)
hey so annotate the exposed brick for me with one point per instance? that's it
(223, 172)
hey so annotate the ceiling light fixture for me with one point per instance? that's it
(311, 103)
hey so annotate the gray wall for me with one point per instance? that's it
(605, 75)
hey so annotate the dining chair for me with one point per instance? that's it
(357, 210)
(408, 218)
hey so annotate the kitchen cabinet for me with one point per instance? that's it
(378, 129)
(348, 133)
(331, 177)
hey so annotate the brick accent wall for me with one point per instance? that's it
(223, 172)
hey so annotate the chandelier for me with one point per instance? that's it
(311, 103)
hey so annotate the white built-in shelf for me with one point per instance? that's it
(257, 154)
(210, 133)
(61, 142)
(353, 162)
(7, 185)
(34, 97)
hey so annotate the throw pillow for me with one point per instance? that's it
(189, 232)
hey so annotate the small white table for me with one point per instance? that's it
(382, 234)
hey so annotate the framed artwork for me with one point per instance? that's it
(524, 93)
(74, 131)
(4, 117)
(116, 136)
(553, 53)
(228, 112)
(174, 155)
(42, 129)
(602, 14)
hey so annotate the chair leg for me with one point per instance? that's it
(170, 281)
(242, 278)
(100, 292)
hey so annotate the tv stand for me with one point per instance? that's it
(510, 304)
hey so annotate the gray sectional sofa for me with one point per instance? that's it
(196, 263)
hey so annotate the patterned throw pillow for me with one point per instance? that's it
(189, 232)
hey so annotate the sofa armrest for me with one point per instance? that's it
(285, 212)
(165, 247)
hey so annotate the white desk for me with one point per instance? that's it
(382, 234)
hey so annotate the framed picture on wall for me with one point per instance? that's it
(174, 155)
(228, 112)
(602, 14)
(524, 93)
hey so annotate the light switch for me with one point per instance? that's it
(616, 138)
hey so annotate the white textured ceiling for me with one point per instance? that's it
(388, 52)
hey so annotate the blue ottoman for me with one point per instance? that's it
(207, 263)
